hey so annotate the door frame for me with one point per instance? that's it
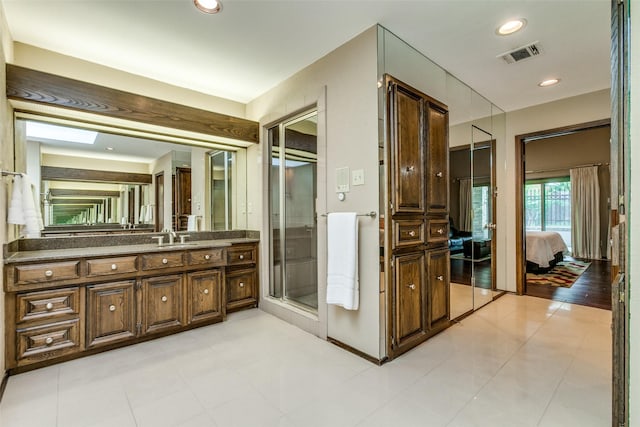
(520, 141)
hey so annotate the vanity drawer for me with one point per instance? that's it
(47, 305)
(438, 230)
(52, 340)
(408, 233)
(42, 273)
(241, 255)
(163, 260)
(110, 266)
(241, 289)
(206, 256)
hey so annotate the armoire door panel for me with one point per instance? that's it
(410, 305)
(437, 175)
(408, 151)
(438, 286)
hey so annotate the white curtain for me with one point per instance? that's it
(466, 219)
(585, 212)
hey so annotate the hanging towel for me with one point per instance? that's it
(342, 262)
(149, 214)
(192, 223)
(30, 209)
(14, 214)
(142, 215)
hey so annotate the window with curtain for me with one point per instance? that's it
(548, 206)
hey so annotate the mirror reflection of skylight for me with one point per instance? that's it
(289, 163)
(60, 133)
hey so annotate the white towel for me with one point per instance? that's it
(192, 223)
(142, 215)
(342, 262)
(149, 214)
(14, 214)
(30, 209)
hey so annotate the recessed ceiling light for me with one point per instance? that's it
(511, 27)
(109, 148)
(60, 133)
(208, 6)
(549, 82)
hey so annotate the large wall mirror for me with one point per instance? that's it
(107, 180)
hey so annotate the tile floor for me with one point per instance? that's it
(519, 361)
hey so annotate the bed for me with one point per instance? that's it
(544, 250)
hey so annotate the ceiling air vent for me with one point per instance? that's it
(521, 53)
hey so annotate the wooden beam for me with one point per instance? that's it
(76, 202)
(62, 192)
(36, 86)
(53, 173)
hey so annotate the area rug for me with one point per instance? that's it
(564, 274)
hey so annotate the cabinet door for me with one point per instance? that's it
(410, 319)
(438, 286)
(241, 289)
(407, 151)
(110, 313)
(162, 303)
(437, 121)
(204, 290)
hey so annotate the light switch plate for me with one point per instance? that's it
(357, 177)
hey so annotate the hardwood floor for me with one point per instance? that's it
(461, 272)
(593, 287)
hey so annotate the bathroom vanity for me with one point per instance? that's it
(65, 303)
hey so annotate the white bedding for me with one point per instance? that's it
(541, 246)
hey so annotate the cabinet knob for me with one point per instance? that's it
(48, 341)
(241, 284)
(241, 256)
(440, 230)
(164, 260)
(411, 286)
(49, 306)
(412, 233)
(207, 257)
(48, 273)
(206, 291)
(164, 298)
(439, 174)
(410, 168)
(114, 266)
(112, 307)
(441, 277)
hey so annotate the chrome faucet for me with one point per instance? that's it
(172, 236)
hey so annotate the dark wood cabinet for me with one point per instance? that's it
(241, 287)
(418, 207)
(182, 198)
(162, 303)
(204, 294)
(111, 313)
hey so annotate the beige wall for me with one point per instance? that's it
(164, 164)
(66, 161)
(633, 224)
(347, 130)
(6, 152)
(569, 111)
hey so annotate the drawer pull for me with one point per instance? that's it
(49, 306)
(411, 286)
(206, 291)
(207, 257)
(114, 266)
(410, 168)
(241, 256)
(439, 174)
(412, 233)
(440, 230)
(48, 273)
(241, 284)
(441, 278)
(112, 307)
(164, 298)
(164, 260)
(48, 341)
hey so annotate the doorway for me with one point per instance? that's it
(159, 199)
(292, 211)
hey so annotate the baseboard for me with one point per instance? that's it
(3, 384)
(357, 352)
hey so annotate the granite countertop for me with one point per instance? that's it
(100, 251)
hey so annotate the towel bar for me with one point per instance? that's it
(371, 214)
(9, 173)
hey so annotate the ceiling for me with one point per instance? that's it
(251, 46)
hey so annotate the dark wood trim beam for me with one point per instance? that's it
(76, 202)
(43, 88)
(64, 192)
(52, 173)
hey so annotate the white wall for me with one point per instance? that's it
(569, 111)
(348, 124)
(633, 224)
(199, 163)
(164, 164)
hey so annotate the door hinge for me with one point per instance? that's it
(393, 342)
(621, 291)
(138, 284)
(390, 205)
(138, 328)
